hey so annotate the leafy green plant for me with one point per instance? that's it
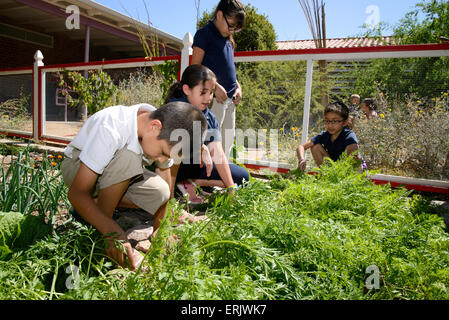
(32, 185)
(19, 231)
(94, 91)
(294, 237)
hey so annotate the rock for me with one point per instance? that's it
(140, 233)
(138, 257)
(444, 207)
(143, 246)
(6, 159)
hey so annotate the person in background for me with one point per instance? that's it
(369, 108)
(354, 111)
(197, 87)
(331, 143)
(213, 47)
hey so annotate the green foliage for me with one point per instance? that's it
(295, 237)
(30, 186)
(274, 94)
(433, 24)
(94, 91)
(425, 77)
(140, 86)
(408, 139)
(9, 231)
(169, 75)
(19, 231)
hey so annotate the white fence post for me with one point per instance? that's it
(38, 57)
(186, 51)
(307, 100)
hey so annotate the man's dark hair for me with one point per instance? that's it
(180, 115)
(339, 108)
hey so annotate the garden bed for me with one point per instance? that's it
(291, 237)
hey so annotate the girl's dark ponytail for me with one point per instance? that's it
(175, 92)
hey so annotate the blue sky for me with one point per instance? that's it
(343, 17)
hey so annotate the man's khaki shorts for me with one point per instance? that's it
(147, 190)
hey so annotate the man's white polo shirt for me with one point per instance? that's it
(106, 132)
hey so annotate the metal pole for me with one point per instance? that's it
(307, 100)
(86, 59)
(38, 57)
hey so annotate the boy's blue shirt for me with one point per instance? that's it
(336, 148)
(219, 56)
(213, 128)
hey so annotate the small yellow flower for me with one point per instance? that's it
(382, 115)
(59, 157)
(54, 164)
(445, 94)
(419, 101)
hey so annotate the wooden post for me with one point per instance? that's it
(186, 52)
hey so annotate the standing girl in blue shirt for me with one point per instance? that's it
(197, 87)
(213, 47)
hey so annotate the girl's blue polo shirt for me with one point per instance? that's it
(218, 56)
(213, 128)
(336, 148)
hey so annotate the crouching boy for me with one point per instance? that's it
(331, 143)
(103, 165)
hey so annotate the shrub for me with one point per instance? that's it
(408, 139)
(94, 91)
(140, 87)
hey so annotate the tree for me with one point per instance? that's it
(425, 78)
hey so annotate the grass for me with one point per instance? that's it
(295, 237)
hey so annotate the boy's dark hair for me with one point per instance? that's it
(192, 76)
(233, 9)
(370, 103)
(180, 115)
(339, 108)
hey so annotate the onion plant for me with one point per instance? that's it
(33, 185)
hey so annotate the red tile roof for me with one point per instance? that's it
(335, 43)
